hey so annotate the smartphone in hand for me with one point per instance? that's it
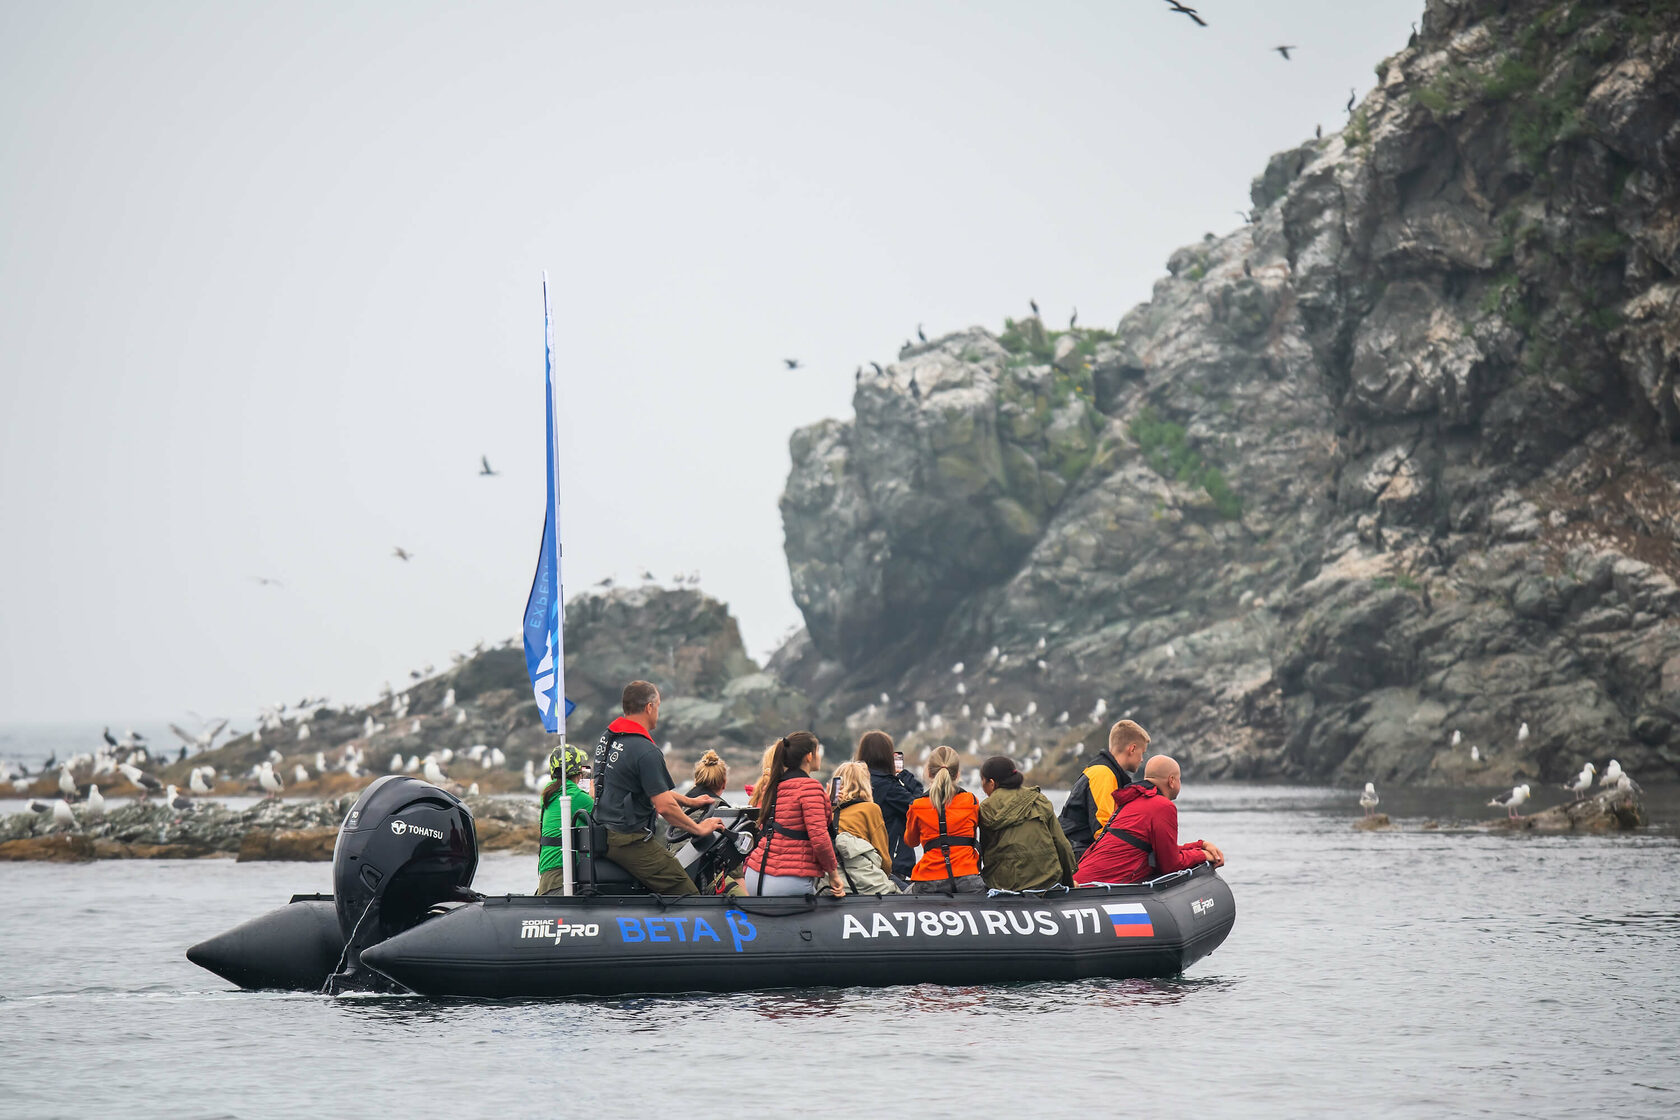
(898, 762)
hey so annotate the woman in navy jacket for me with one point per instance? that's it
(894, 790)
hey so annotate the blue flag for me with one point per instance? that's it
(545, 645)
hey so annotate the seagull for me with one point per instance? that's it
(299, 774)
(109, 738)
(1318, 132)
(95, 802)
(147, 784)
(1073, 320)
(39, 806)
(1352, 95)
(460, 716)
(484, 468)
(1583, 782)
(957, 668)
(1368, 799)
(1612, 774)
(413, 763)
(66, 784)
(266, 581)
(197, 783)
(269, 780)
(1033, 303)
(472, 790)
(434, 773)
(1191, 12)
(1522, 732)
(176, 802)
(1284, 51)
(397, 763)
(62, 816)
(791, 363)
(1519, 794)
(1100, 710)
(1061, 720)
(1457, 738)
(1475, 753)
(402, 554)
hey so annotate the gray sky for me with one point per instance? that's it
(269, 286)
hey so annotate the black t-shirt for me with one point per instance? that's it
(632, 773)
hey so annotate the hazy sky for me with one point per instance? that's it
(269, 286)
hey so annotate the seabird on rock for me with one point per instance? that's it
(919, 333)
(497, 758)
(1318, 132)
(1612, 774)
(1522, 732)
(196, 782)
(396, 763)
(1033, 303)
(1352, 97)
(879, 372)
(39, 806)
(434, 773)
(1456, 738)
(66, 784)
(885, 700)
(147, 784)
(957, 668)
(460, 716)
(303, 732)
(62, 816)
(484, 469)
(1061, 720)
(269, 780)
(1368, 799)
(320, 762)
(109, 738)
(1031, 710)
(413, 763)
(1073, 320)
(275, 757)
(1582, 783)
(177, 802)
(1191, 12)
(1518, 795)
(95, 802)
(299, 774)
(472, 790)
(1475, 753)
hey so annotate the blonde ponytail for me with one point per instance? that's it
(942, 767)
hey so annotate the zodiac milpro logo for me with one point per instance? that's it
(548, 927)
(400, 828)
(684, 929)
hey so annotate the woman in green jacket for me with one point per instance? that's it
(1022, 848)
(566, 764)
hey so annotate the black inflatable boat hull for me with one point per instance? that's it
(532, 947)
(546, 947)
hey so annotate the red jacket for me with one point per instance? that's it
(1148, 814)
(801, 805)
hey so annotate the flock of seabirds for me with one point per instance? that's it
(118, 761)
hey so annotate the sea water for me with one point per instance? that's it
(1396, 974)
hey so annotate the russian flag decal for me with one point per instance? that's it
(1130, 919)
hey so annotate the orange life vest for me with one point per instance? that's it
(948, 845)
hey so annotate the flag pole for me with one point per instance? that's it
(558, 642)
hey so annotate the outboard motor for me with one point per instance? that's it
(405, 847)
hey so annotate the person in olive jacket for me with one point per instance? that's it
(1022, 847)
(893, 790)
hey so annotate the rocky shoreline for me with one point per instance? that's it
(296, 830)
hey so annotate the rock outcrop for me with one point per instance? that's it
(1396, 459)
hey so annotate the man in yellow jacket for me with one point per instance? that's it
(1092, 801)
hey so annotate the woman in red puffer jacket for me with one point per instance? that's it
(794, 847)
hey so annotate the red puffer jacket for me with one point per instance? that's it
(801, 807)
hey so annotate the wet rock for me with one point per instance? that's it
(1615, 810)
(298, 845)
(1373, 823)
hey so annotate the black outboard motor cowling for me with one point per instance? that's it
(405, 847)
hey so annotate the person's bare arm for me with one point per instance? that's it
(669, 806)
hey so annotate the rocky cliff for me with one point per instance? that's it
(1394, 460)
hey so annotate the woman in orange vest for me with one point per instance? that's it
(943, 825)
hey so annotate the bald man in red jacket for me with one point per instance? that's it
(1141, 839)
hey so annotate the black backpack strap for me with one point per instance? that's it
(1133, 839)
(944, 839)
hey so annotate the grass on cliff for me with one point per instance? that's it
(1166, 448)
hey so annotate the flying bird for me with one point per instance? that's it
(1368, 799)
(484, 468)
(791, 363)
(1284, 51)
(1191, 12)
(266, 581)
(402, 554)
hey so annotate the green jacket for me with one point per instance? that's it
(548, 858)
(1022, 848)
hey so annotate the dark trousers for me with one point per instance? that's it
(650, 861)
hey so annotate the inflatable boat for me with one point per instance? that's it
(403, 918)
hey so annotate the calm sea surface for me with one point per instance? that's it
(1408, 973)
